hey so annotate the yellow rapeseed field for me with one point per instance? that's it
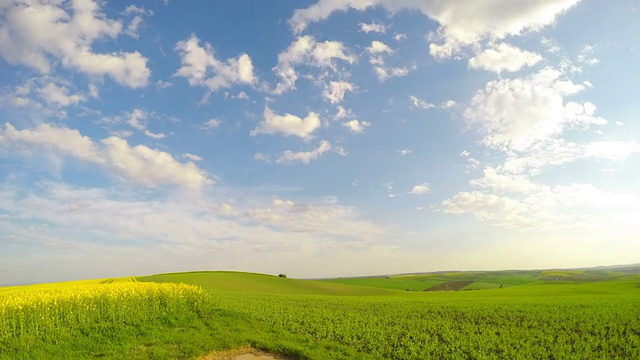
(38, 310)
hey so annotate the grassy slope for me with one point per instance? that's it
(230, 324)
(324, 326)
(221, 281)
(485, 280)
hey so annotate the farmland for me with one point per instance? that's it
(547, 314)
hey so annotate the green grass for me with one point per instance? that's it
(422, 282)
(223, 281)
(392, 283)
(363, 318)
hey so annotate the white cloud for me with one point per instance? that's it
(356, 126)
(462, 22)
(191, 157)
(299, 217)
(128, 69)
(421, 104)
(420, 189)
(201, 67)
(373, 27)
(59, 95)
(504, 183)
(262, 157)
(612, 150)
(132, 28)
(488, 207)
(405, 152)
(522, 204)
(137, 21)
(518, 113)
(132, 9)
(136, 119)
(139, 163)
(163, 84)
(472, 163)
(67, 142)
(503, 57)
(287, 124)
(378, 47)
(153, 135)
(211, 124)
(33, 32)
(151, 167)
(335, 90)
(377, 51)
(400, 37)
(242, 95)
(342, 113)
(586, 56)
(93, 91)
(306, 51)
(304, 157)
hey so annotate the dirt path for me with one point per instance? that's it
(246, 353)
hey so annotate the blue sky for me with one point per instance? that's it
(316, 138)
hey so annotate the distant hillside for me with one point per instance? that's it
(226, 281)
(479, 280)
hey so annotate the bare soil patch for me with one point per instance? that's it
(450, 286)
(245, 353)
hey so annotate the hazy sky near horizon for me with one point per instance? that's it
(317, 138)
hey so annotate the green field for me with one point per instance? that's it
(551, 314)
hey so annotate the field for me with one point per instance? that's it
(551, 314)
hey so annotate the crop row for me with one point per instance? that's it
(592, 327)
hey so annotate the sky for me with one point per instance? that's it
(316, 138)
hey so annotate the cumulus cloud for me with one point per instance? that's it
(136, 119)
(400, 37)
(137, 21)
(335, 90)
(287, 124)
(356, 126)
(304, 157)
(420, 189)
(377, 51)
(342, 113)
(500, 210)
(421, 104)
(139, 164)
(65, 141)
(41, 34)
(305, 50)
(201, 67)
(48, 94)
(59, 95)
(503, 57)
(262, 157)
(373, 27)
(516, 114)
(151, 167)
(522, 204)
(462, 22)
